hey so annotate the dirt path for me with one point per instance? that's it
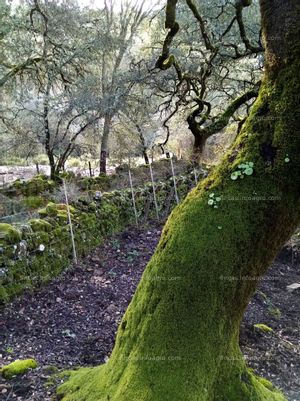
(73, 320)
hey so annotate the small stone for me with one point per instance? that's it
(4, 387)
(98, 195)
(293, 287)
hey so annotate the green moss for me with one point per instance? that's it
(9, 234)
(40, 225)
(19, 367)
(43, 212)
(32, 188)
(4, 297)
(100, 183)
(33, 202)
(35, 186)
(263, 327)
(51, 209)
(266, 383)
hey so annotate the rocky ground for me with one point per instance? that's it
(73, 321)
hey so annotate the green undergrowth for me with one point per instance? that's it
(31, 254)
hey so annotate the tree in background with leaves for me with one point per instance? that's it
(217, 61)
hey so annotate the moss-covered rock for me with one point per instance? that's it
(18, 367)
(40, 225)
(100, 183)
(33, 202)
(63, 206)
(32, 188)
(9, 234)
(51, 209)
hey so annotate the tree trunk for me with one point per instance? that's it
(146, 158)
(179, 338)
(104, 143)
(143, 143)
(202, 134)
(53, 174)
(198, 148)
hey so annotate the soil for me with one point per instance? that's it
(73, 320)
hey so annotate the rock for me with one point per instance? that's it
(111, 309)
(40, 225)
(4, 388)
(98, 195)
(293, 287)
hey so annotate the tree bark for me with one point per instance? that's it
(202, 134)
(146, 158)
(179, 338)
(104, 143)
(143, 143)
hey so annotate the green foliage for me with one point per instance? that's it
(243, 169)
(213, 200)
(41, 159)
(13, 161)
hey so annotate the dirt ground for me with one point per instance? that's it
(73, 320)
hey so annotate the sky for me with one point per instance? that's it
(100, 3)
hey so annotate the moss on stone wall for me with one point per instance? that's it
(31, 188)
(32, 254)
(9, 234)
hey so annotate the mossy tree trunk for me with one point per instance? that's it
(179, 339)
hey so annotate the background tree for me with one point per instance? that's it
(216, 61)
(140, 119)
(179, 337)
(117, 30)
(52, 99)
(17, 57)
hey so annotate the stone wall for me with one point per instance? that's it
(33, 253)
